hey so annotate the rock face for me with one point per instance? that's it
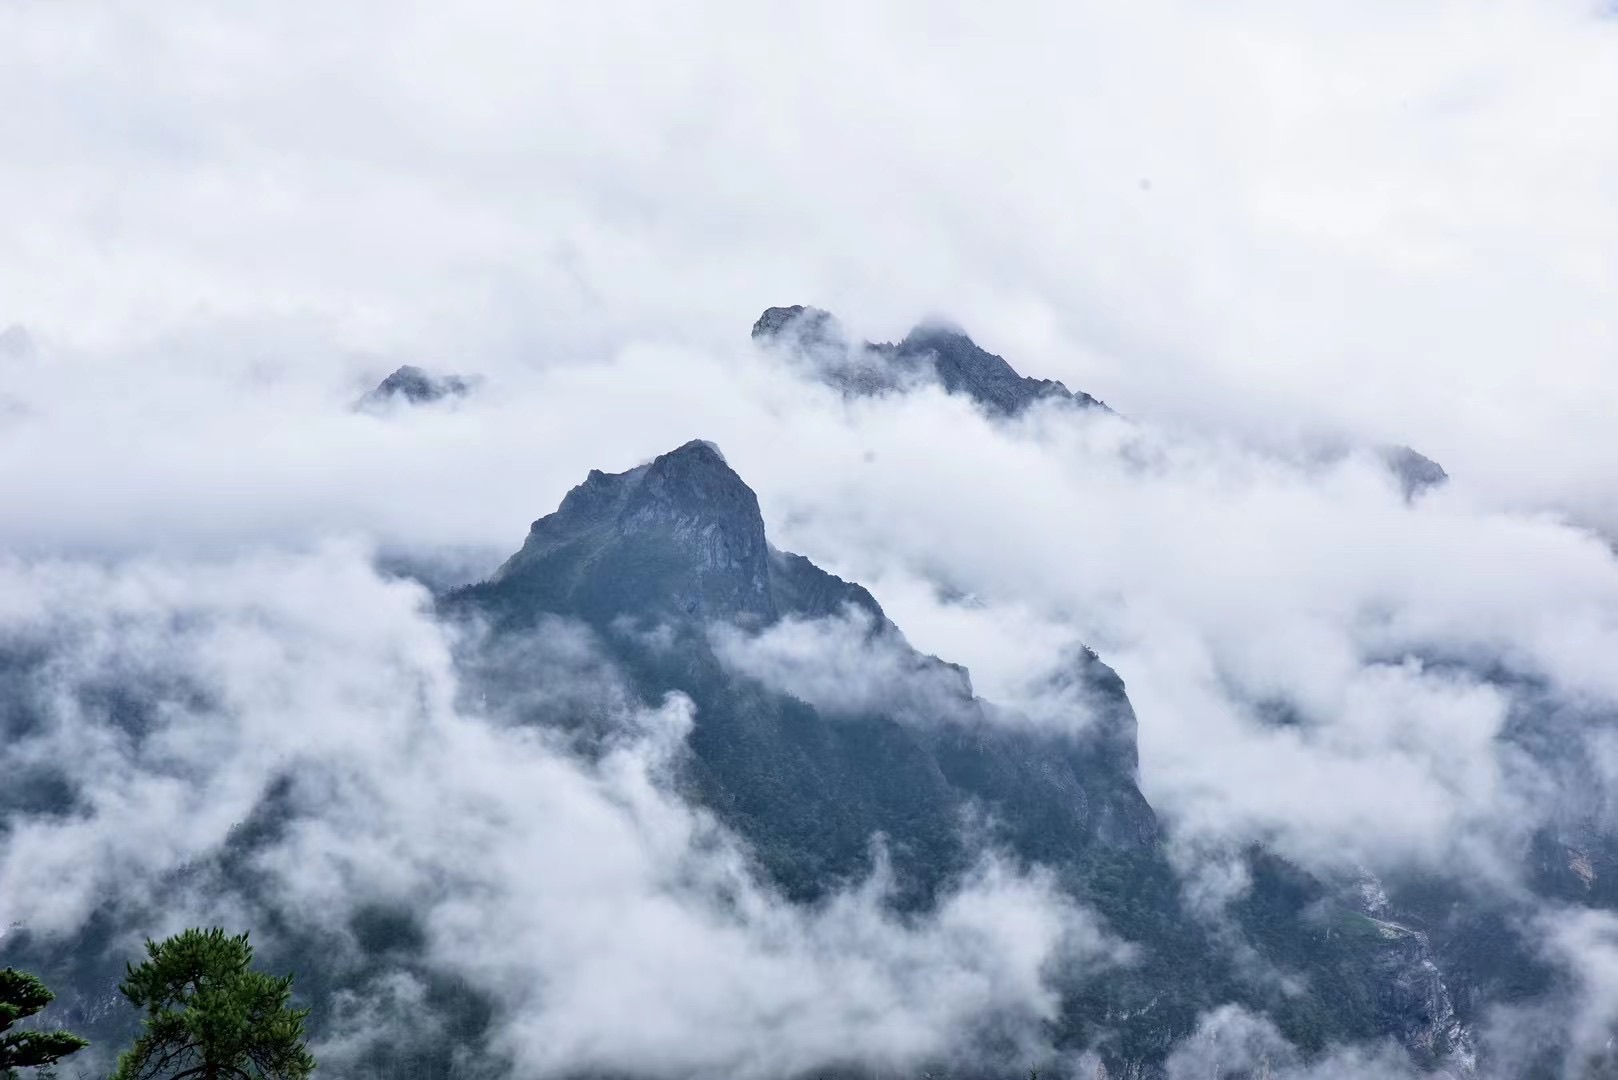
(808, 324)
(929, 353)
(414, 386)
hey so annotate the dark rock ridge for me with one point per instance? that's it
(415, 386)
(934, 352)
(678, 536)
(930, 352)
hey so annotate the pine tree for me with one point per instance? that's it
(21, 996)
(209, 1016)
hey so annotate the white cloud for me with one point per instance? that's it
(849, 665)
(1587, 942)
(1230, 1042)
(1257, 228)
(616, 927)
(1385, 219)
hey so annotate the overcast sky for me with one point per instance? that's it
(1391, 218)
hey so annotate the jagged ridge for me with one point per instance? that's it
(935, 352)
(930, 351)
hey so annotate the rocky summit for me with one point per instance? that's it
(680, 535)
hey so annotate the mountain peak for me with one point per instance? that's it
(415, 386)
(1415, 471)
(680, 535)
(776, 319)
(965, 367)
(935, 350)
(808, 328)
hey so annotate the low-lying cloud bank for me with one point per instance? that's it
(1258, 228)
(613, 926)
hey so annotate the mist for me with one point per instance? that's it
(1262, 234)
(575, 891)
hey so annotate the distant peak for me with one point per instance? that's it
(806, 327)
(696, 479)
(673, 476)
(965, 367)
(1415, 471)
(416, 386)
(936, 350)
(776, 319)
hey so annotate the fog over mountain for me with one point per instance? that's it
(898, 540)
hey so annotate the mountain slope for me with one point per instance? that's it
(655, 558)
